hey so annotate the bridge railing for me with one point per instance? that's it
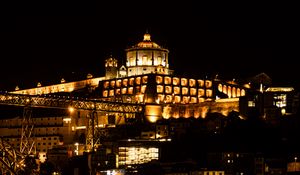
(56, 101)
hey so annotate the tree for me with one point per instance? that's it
(31, 167)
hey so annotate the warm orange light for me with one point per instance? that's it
(71, 109)
(152, 119)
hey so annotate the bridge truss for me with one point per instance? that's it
(10, 158)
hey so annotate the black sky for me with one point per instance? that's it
(48, 44)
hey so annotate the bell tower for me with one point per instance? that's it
(111, 68)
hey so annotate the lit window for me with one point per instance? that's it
(131, 81)
(111, 93)
(160, 97)
(139, 98)
(167, 80)
(118, 91)
(168, 98)
(225, 89)
(220, 87)
(193, 91)
(168, 89)
(159, 61)
(192, 82)
(200, 99)
(238, 92)
(183, 81)
(112, 83)
(193, 99)
(149, 61)
(125, 82)
(145, 79)
(176, 81)
(209, 93)
(229, 91)
(138, 80)
(105, 93)
(177, 99)
(124, 90)
(143, 89)
(243, 92)
(160, 89)
(144, 60)
(200, 92)
(130, 90)
(185, 91)
(118, 83)
(280, 100)
(200, 83)
(186, 99)
(163, 62)
(251, 104)
(132, 61)
(159, 79)
(208, 83)
(106, 84)
(233, 92)
(176, 90)
(139, 61)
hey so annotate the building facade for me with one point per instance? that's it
(146, 79)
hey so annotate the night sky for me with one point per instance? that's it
(48, 44)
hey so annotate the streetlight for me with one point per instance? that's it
(295, 163)
(71, 109)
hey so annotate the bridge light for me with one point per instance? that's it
(71, 109)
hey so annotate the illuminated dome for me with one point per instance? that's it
(147, 57)
(147, 43)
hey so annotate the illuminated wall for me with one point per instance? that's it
(48, 132)
(222, 106)
(132, 87)
(133, 155)
(148, 80)
(293, 167)
(63, 87)
(168, 89)
(231, 90)
(182, 90)
(198, 96)
(282, 98)
(52, 131)
(153, 112)
(165, 89)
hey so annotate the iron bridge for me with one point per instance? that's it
(12, 160)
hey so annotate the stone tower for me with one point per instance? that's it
(111, 68)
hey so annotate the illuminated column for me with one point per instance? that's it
(92, 139)
(27, 146)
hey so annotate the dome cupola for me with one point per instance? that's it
(147, 57)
